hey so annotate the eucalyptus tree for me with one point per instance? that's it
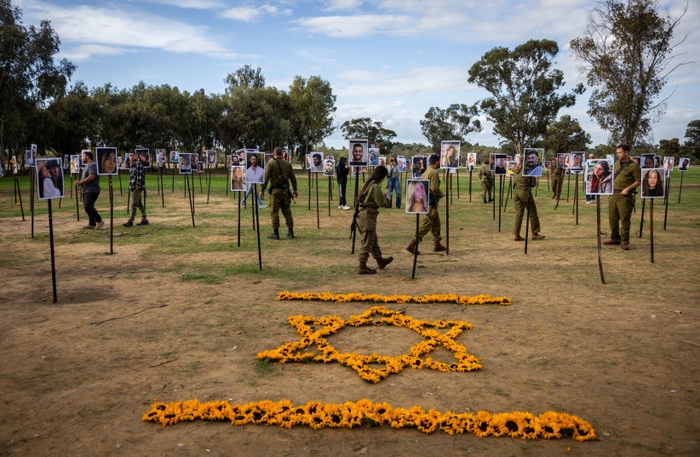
(454, 123)
(565, 135)
(374, 131)
(524, 85)
(29, 76)
(312, 104)
(628, 54)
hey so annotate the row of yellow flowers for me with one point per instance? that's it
(314, 331)
(318, 415)
(376, 298)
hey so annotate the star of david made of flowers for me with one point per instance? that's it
(314, 332)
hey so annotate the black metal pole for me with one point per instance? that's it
(651, 228)
(415, 251)
(318, 215)
(111, 217)
(53, 258)
(666, 199)
(31, 195)
(600, 240)
(257, 223)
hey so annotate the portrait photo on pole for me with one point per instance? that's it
(501, 164)
(532, 162)
(418, 166)
(238, 179)
(417, 196)
(648, 160)
(144, 156)
(49, 178)
(286, 156)
(255, 172)
(683, 164)
(160, 157)
(471, 161)
(401, 164)
(511, 167)
(358, 153)
(562, 159)
(577, 160)
(329, 167)
(653, 183)
(449, 154)
(668, 166)
(599, 175)
(212, 157)
(66, 161)
(185, 163)
(15, 170)
(74, 164)
(31, 155)
(373, 157)
(106, 161)
(382, 161)
(492, 161)
(316, 162)
(174, 157)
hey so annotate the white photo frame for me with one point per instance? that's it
(417, 196)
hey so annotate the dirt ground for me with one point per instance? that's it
(154, 323)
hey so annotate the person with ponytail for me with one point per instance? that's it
(369, 201)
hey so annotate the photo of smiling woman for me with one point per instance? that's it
(653, 183)
(49, 178)
(106, 161)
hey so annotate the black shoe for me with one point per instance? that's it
(290, 233)
(143, 222)
(274, 235)
(128, 224)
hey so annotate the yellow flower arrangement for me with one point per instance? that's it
(314, 332)
(376, 298)
(515, 424)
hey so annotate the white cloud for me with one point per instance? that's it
(109, 28)
(84, 52)
(193, 4)
(354, 26)
(411, 82)
(250, 13)
(342, 5)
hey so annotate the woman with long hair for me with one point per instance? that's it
(46, 184)
(601, 181)
(237, 182)
(369, 201)
(416, 199)
(108, 162)
(652, 186)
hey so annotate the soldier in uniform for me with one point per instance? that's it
(486, 176)
(280, 193)
(558, 175)
(370, 200)
(628, 176)
(523, 196)
(431, 221)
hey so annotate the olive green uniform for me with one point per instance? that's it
(367, 221)
(487, 178)
(558, 174)
(278, 199)
(523, 194)
(620, 206)
(431, 221)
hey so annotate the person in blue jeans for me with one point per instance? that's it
(393, 182)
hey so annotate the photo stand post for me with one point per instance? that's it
(161, 189)
(190, 197)
(60, 200)
(449, 184)
(641, 219)
(415, 254)
(666, 199)
(71, 184)
(53, 257)
(257, 223)
(600, 239)
(500, 200)
(330, 185)
(470, 185)
(209, 169)
(31, 195)
(447, 222)
(527, 218)
(238, 205)
(201, 188)
(568, 187)
(308, 183)
(173, 185)
(457, 175)
(574, 210)
(18, 193)
(680, 188)
(119, 173)
(493, 192)
(111, 218)
(651, 228)
(318, 214)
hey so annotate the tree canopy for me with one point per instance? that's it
(374, 131)
(523, 85)
(565, 135)
(628, 54)
(453, 123)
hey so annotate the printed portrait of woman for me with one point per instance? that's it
(106, 161)
(652, 183)
(600, 178)
(49, 179)
(668, 166)
(237, 181)
(449, 156)
(417, 196)
(577, 161)
(648, 160)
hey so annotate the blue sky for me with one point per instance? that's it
(390, 60)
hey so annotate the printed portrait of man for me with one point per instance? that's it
(316, 162)
(358, 155)
(328, 167)
(533, 163)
